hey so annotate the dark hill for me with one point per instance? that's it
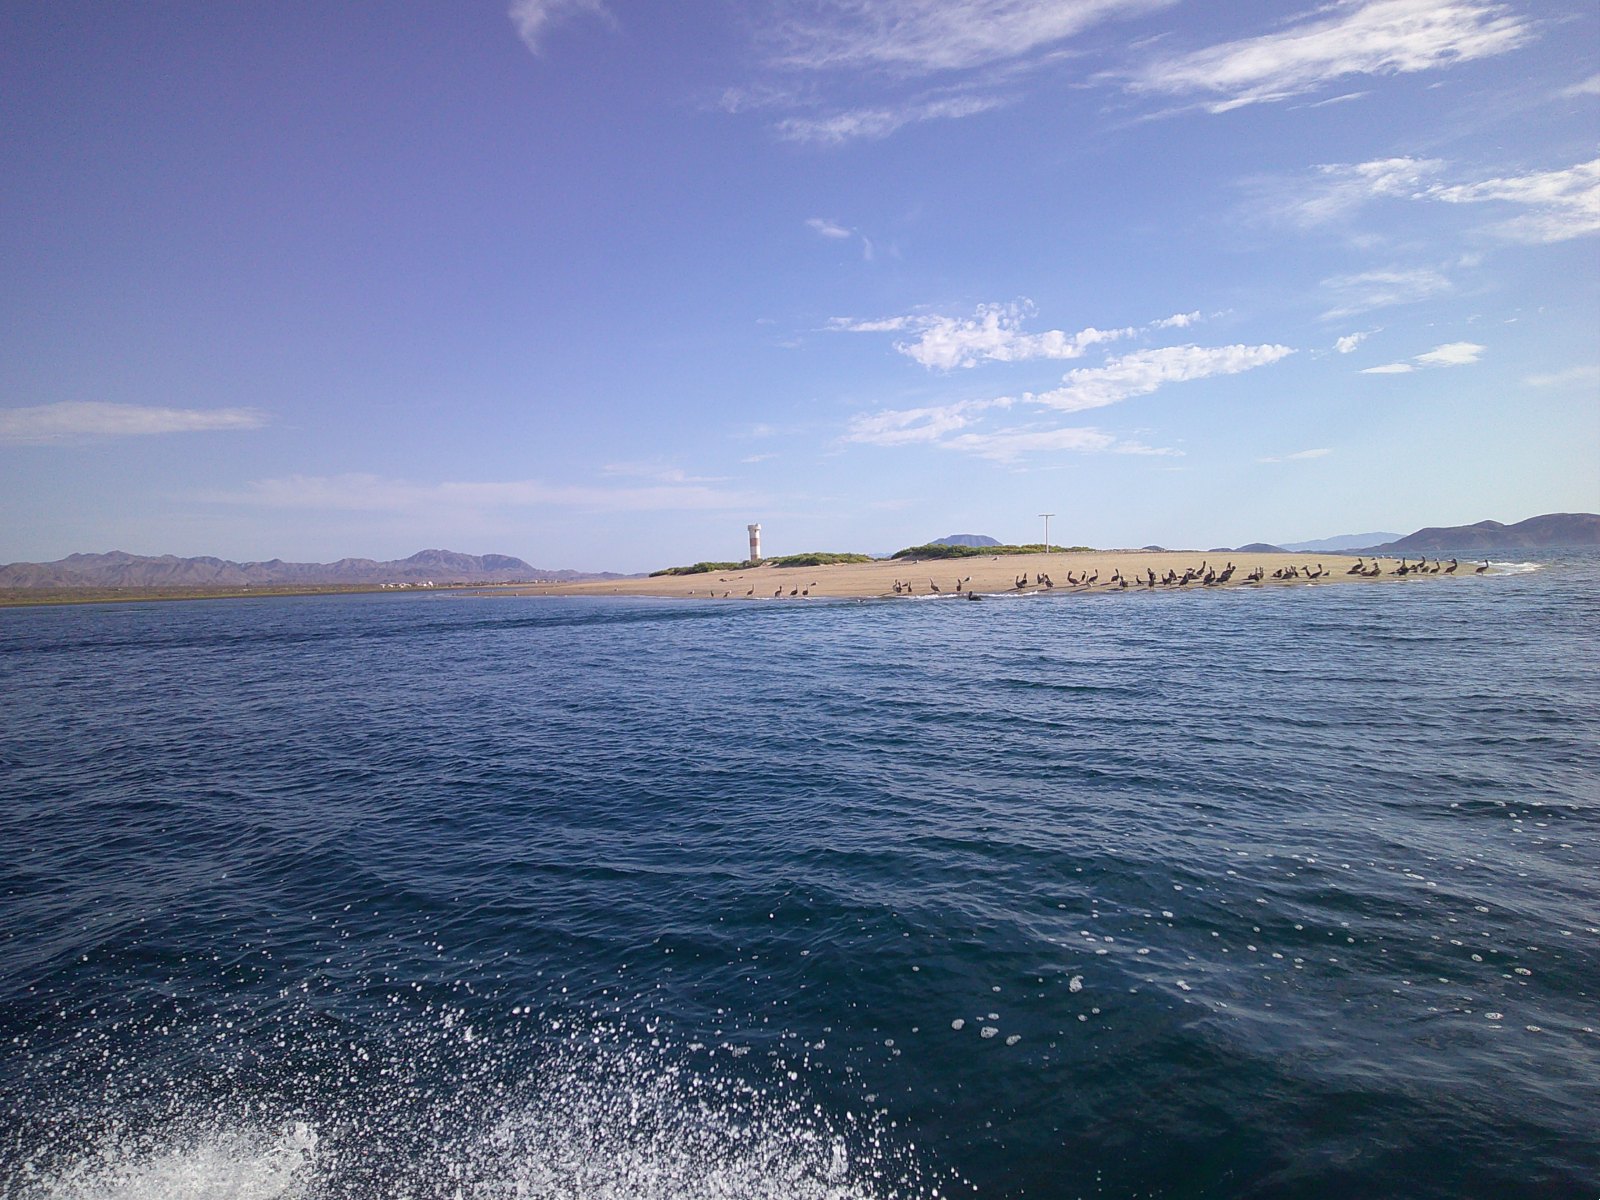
(965, 539)
(1549, 532)
(118, 569)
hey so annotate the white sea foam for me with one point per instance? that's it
(231, 1164)
(603, 1117)
(1513, 568)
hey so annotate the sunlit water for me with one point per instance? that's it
(1279, 893)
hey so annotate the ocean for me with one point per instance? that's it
(1279, 893)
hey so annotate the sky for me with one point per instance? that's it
(597, 283)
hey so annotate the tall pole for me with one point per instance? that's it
(1047, 517)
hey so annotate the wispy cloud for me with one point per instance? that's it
(1560, 204)
(910, 426)
(1554, 205)
(1176, 321)
(823, 227)
(1297, 456)
(1337, 190)
(918, 60)
(1347, 38)
(1451, 354)
(658, 473)
(87, 419)
(1009, 445)
(1145, 371)
(1350, 341)
(834, 232)
(879, 121)
(1383, 289)
(994, 333)
(373, 493)
(950, 426)
(533, 18)
(1586, 87)
(1584, 376)
(923, 37)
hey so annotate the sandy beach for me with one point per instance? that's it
(990, 575)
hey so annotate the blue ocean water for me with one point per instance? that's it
(1281, 893)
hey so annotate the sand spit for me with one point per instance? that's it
(1080, 572)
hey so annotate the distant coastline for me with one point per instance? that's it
(119, 576)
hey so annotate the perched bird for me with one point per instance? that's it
(1482, 569)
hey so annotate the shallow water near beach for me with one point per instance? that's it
(1289, 893)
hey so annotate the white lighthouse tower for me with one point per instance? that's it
(755, 543)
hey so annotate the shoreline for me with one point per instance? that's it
(980, 576)
(1069, 572)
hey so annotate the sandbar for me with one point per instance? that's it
(1094, 572)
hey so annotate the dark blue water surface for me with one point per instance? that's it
(1289, 893)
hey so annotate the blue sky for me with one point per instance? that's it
(598, 282)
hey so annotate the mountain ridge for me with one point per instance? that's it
(120, 569)
(1549, 531)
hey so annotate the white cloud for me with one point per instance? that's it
(880, 121)
(1350, 341)
(77, 419)
(904, 427)
(1585, 376)
(1298, 455)
(1383, 289)
(920, 37)
(658, 473)
(880, 325)
(993, 335)
(825, 228)
(1349, 37)
(533, 17)
(949, 426)
(1008, 445)
(1453, 354)
(1562, 204)
(1339, 189)
(372, 493)
(1587, 87)
(1176, 321)
(1144, 371)
(1556, 205)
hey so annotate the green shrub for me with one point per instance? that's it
(817, 559)
(700, 568)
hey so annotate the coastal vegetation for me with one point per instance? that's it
(815, 558)
(700, 568)
(946, 550)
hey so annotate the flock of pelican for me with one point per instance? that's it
(1205, 575)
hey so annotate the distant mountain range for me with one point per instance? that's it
(1550, 532)
(1345, 541)
(1553, 531)
(121, 570)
